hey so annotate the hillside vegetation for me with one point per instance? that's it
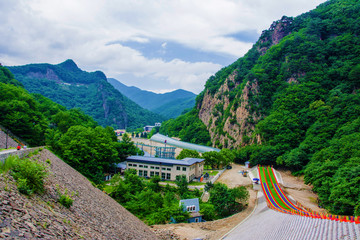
(293, 101)
(71, 87)
(74, 136)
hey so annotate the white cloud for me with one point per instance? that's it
(91, 33)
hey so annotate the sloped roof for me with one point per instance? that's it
(164, 161)
(191, 202)
(173, 142)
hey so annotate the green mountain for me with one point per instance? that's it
(71, 87)
(293, 101)
(169, 105)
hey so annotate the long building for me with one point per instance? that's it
(167, 169)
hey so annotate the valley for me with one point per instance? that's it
(288, 107)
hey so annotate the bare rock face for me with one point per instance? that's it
(93, 215)
(277, 31)
(237, 126)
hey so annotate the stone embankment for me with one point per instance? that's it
(93, 215)
(6, 141)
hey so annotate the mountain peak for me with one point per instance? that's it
(70, 65)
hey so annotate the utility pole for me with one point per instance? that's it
(6, 139)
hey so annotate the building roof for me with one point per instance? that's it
(170, 141)
(121, 165)
(164, 161)
(191, 202)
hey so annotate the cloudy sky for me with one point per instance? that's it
(156, 45)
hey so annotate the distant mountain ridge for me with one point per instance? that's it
(72, 87)
(169, 105)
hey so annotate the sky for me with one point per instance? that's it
(156, 45)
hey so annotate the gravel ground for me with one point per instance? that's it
(216, 229)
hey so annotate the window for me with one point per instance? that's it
(145, 173)
(157, 173)
(151, 174)
(157, 168)
(163, 175)
(134, 165)
(152, 167)
(145, 166)
(140, 173)
(140, 165)
(130, 164)
(184, 168)
(168, 176)
(169, 169)
(178, 168)
(163, 168)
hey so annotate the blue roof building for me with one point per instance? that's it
(193, 207)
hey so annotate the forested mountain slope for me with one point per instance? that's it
(71, 87)
(169, 105)
(75, 137)
(293, 101)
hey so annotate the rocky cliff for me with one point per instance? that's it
(227, 112)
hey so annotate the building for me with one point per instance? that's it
(167, 169)
(193, 207)
(120, 132)
(148, 128)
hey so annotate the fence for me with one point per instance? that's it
(9, 134)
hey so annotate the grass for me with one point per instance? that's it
(213, 172)
(8, 164)
(196, 184)
(2, 149)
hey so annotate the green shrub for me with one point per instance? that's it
(30, 176)
(66, 200)
(24, 187)
(8, 163)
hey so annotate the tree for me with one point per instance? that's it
(354, 76)
(228, 156)
(90, 151)
(127, 148)
(188, 153)
(182, 184)
(213, 159)
(154, 183)
(20, 114)
(227, 201)
(208, 211)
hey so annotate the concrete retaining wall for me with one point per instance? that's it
(20, 153)
(217, 175)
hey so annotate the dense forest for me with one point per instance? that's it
(71, 87)
(71, 134)
(298, 88)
